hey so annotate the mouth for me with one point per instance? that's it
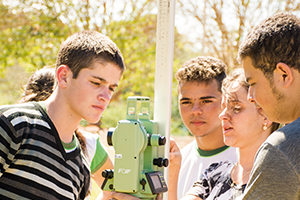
(197, 123)
(100, 108)
(226, 129)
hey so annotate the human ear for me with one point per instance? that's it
(62, 74)
(283, 74)
(267, 123)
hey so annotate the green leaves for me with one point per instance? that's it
(31, 33)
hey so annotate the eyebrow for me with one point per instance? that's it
(234, 101)
(201, 98)
(104, 81)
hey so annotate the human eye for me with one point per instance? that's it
(236, 109)
(112, 89)
(95, 83)
(206, 101)
(185, 102)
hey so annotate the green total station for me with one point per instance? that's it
(138, 168)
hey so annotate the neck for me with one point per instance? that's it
(241, 172)
(248, 152)
(210, 142)
(246, 158)
(64, 121)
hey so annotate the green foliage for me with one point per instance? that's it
(115, 112)
(11, 85)
(136, 40)
(32, 31)
(29, 39)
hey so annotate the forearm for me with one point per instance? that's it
(173, 182)
(174, 168)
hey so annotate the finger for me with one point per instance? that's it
(159, 197)
(122, 196)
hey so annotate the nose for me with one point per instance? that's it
(105, 94)
(223, 115)
(250, 95)
(196, 109)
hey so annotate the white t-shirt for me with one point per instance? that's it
(97, 154)
(196, 161)
(91, 144)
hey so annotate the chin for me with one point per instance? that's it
(228, 142)
(93, 120)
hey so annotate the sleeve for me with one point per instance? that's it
(99, 158)
(9, 143)
(272, 176)
(202, 187)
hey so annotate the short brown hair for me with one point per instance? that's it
(274, 40)
(83, 48)
(202, 69)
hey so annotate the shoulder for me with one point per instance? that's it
(91, 141)
(213, 182)
(188, 148)
(284, 143)
(286, 136)
(277, 160)
(220, 167)
(30, 113)
(218, 173)
(231, 153)
(29, 108)
(90, 136)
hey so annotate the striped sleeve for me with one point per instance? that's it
(9, 143)
(34, 164)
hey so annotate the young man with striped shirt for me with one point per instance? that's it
(40, 156)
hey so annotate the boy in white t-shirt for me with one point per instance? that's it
(199, 96)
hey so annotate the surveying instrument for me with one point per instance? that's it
(138, 169)
(161, 116)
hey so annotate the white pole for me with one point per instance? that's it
(164, 72)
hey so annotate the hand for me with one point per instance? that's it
(123, 196)
(175, 155)
(174, 167)
(159, 197)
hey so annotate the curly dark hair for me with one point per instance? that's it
(274, 40)
(202, 69)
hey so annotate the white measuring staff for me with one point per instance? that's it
(164, 73)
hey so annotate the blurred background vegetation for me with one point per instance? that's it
(31, 32)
